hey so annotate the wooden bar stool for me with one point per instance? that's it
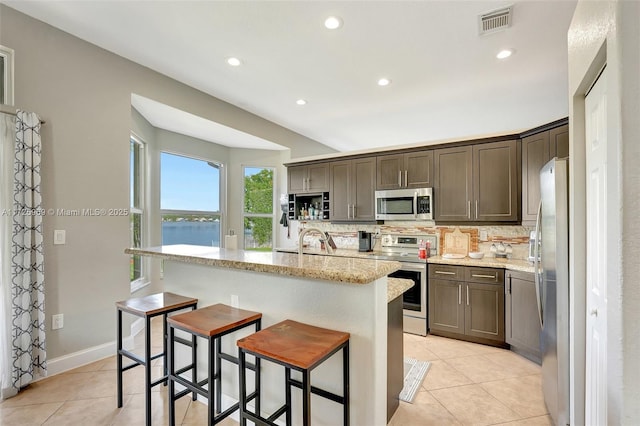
(211, 323)
(300, 347)
(148, 307)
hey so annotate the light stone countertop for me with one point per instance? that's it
(336, 268)
(488, 262)
(397, 286)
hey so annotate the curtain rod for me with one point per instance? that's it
(6, 110)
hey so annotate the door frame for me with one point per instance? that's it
(578, 232)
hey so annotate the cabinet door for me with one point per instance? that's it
(535, 154)
(390, 171)
(419, 167)
(522, 324)
(559, 142)
(363, 189)
(296, 177)
(318, 178)
(340, 181)
(446, 312)
(453, 184)
(484, 311)
(495, 178)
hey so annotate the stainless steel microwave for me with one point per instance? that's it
(404, 204)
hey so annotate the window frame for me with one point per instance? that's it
(140, 209)
(221, 182)
(7, 72)
(274, 204)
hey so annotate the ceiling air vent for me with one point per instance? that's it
(495, 20)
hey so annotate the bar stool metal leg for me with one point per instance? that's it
(287, 397)
(119, 358)
(172, 407)
(218, 376)
(147, 370)
(345, 385)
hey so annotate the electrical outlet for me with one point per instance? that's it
(57, 321)
(59, 237)
(235, 303)
(483, 235)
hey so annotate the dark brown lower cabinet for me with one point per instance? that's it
(522, 320)
(467, 303)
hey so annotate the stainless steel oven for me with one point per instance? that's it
(404, 249)
(414, 300)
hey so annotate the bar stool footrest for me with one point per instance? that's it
(320, 392)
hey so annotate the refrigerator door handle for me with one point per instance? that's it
(536, 263)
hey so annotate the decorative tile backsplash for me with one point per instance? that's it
(346, 235)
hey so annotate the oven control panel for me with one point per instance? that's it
(401, 244)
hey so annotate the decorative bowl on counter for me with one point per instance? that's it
(476, 254)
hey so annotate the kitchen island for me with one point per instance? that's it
(344, 294)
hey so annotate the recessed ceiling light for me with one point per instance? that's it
(301, 102)
(333, 22)
(384, 82)
(234, 62)
(503, 54)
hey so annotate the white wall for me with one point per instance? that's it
(84, 94)
(608, 32)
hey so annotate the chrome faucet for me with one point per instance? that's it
(325, 238)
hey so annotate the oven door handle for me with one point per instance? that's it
(413, 267)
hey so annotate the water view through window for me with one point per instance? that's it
(189, 201)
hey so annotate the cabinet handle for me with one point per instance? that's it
(459, 294)
(445, 273)
(483, 276)
(406, 181)
(467, 295)
(308, 184)
(476, 209)
(469, 209)
(400, 178)
(354, 211)
(348, 211)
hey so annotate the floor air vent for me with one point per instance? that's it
(496, 20)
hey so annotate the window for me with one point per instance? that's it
(189, 200)
(258, 208)
(136, 213)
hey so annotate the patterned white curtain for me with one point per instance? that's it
(27, 316)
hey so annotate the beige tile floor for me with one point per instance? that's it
(466, 384)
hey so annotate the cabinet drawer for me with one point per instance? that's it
(446, 272)
(484, 275)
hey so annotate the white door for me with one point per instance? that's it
(596, 321)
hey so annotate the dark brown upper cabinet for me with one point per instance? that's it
(537, 150)
(352, 188)
(477, 183)
(306, 179)
(411, 170)
(453, 184)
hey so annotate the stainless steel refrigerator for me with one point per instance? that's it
(552, 286)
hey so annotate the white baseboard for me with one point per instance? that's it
(93, 354)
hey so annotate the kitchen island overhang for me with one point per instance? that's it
(338, 293)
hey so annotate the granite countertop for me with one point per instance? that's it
(339, 269)
(488, 262)
(397, 286)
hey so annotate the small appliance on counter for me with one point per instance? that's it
(364, 241)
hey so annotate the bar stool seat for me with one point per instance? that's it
(211, 323)
(148, 307)
(300, 347)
